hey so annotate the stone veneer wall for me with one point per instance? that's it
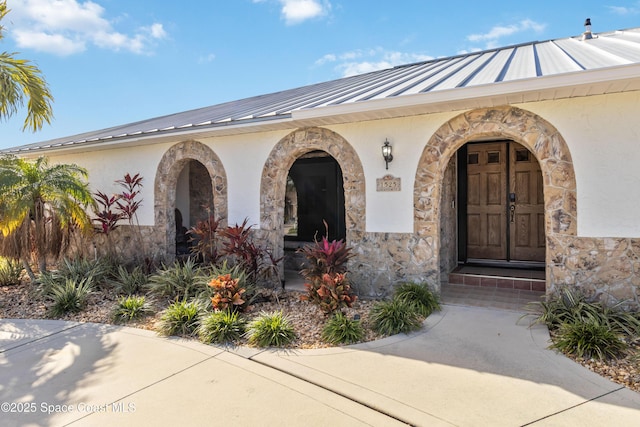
(165, 188)
(448, 219)
(200, 193)
(132, 243)
(607, 269)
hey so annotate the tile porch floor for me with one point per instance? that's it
(492, 287)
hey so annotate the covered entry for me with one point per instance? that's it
(501, 198)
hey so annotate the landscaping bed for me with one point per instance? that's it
(21, 302)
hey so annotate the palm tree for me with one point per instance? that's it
(40, 205)
(20, 79)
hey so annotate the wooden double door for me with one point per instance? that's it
(504, 217)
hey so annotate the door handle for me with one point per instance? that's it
(512, 212)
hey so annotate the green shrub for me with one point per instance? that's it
(570, 305)
(585, 328)
(621, 321)
(10, 272)
(419, 296)
(271, 329)
(131, 307)
(393, 317)
(129, 282)
(180, 318)
(93, 272)
(589, 339)
(340, 329)
(69, 297)
(179, 281)
(221, 327)
(330, 292)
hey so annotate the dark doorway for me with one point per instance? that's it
(319, 198)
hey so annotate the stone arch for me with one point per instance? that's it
(166, 179)
(274, 180)
(507, 122)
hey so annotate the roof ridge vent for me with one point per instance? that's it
(587, 30)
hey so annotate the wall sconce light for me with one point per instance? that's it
(386, 153)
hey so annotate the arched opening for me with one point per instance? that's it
(314, 203)
(437, 208)
(277, 183)
(315, 198)
(194, 202)
(190, 184)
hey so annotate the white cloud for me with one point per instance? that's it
(625, 10)
(49, 42)
(205, 59)
(297, 11)
(330, 57)
(66, 27)
(364, 61)
(492, 37)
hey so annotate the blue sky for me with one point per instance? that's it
(111, 62)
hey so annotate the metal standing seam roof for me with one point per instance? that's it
(461, 72)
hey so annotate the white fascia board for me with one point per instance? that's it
(531, 85)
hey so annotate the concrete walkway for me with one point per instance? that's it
(467, 367)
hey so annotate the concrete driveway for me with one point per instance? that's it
(468, 367)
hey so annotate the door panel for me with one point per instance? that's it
(499, 228)
(527, 241)
(486, 195)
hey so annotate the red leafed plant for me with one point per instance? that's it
(254, 259)
(106, 218)
(118, 206)
(325, 257)
(325, 274)
(204, 239)
(127, 203)
(330, 292)
(227, 293)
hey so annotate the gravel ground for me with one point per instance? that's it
(21, 302)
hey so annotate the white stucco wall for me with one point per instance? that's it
(243, 157)
(602, 132)
(107, 166)
(391, 211)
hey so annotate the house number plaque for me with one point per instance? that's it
(388, 183)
